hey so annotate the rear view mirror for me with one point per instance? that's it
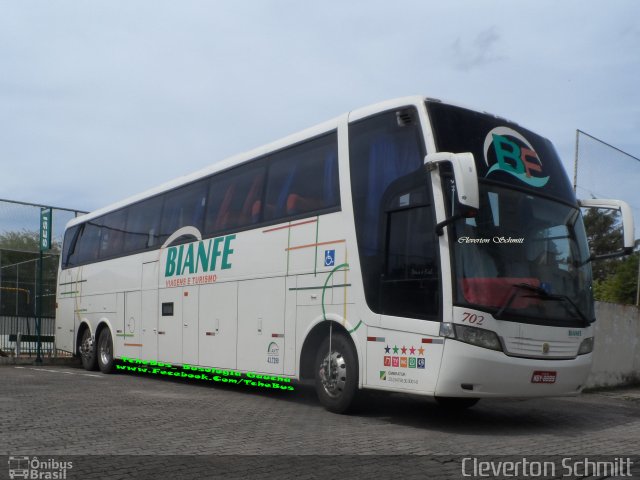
(626, 219)
(464, 172)
(466, 178)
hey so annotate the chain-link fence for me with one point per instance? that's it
(605, 171)
(602, 170)
(22, 290)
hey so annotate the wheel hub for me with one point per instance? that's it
(333, 374)
(105, 351)
(86, 347)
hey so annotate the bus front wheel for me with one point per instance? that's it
(105, 352)
(88, 351)
(336, 374)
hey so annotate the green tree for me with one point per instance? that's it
(604, 233)
(621, 286)
(24, 241)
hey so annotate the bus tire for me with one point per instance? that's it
(336, 391)
(105, 352)
(88, 351)
(456, 403)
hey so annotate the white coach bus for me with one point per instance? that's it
(411, 246)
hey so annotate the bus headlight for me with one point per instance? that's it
(586, 346)
(471, 335)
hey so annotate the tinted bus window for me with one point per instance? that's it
(113, 233)
(395, 226)
(303, 179)
(143, 225)
(183, 207)
(88, 243)
(69, 258)
(235, 198)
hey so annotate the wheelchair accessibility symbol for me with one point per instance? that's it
(329, 258)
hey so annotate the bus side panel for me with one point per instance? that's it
(190, 324)
(117, 324)
(403, 361)
(261, 312)
(149, 311)
(65, 312)
(290, 326)
(218, 326)
(149, 321)
(65, 324)
(132, 325)
(170, 326)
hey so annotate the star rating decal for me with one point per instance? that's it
(404, 350)
(413, 351)
(412, 357)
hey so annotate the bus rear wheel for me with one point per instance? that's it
(105, 352)
(88, 351)
(336, 374)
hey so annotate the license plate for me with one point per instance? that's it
(543, 377)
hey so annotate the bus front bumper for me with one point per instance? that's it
(470, 371)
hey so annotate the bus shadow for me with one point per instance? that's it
(505, 417)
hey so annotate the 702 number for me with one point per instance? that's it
(472, 318)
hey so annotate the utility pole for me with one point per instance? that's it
(575, 163)
(638, 285)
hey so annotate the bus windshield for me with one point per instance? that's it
(523, 257)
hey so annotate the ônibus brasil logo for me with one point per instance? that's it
(196, 261)
(505, 150)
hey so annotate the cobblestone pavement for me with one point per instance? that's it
(136, 425)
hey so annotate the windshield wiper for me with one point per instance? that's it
(544, 295)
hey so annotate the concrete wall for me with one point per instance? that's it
(616, 355)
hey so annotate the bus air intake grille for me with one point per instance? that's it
(534, 348)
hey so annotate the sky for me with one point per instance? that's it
(101, 100)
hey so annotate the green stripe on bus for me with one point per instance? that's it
(356, 327)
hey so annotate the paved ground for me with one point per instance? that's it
(136, 425)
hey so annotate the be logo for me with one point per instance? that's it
(505, 150)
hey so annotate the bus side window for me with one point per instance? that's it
(88, 244)
(69, 249)
(234, 199)
(143, 225)
(184, 207)
(303, 179)
(397, 248)
(113, 233)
